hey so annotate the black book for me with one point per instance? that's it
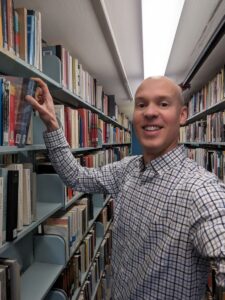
(111, 106)
(14, 275)
(12, 204)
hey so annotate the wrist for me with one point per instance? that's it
(52, 125)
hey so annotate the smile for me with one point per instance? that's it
(151, 128)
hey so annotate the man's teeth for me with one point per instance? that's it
(151, 128)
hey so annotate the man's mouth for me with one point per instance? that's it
(151, 128)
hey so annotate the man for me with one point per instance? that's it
(169, 219)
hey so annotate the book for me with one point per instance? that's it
(4, 175)
(1, 32)
(10, 25)
(14, 274)
(31, 36)
(4, 23)
(12, 205)
(1, 209)
(22, 15)
(5, 113)
(3, 283)
(33, 190)
(27, 214)
(16, 33)
(61, 227)
(22, 109)
(20, 195)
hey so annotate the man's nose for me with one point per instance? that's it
(151, 111)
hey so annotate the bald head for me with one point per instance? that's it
(165, 81)
(158, 113)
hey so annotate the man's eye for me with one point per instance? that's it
(140, 105)
(164, 104)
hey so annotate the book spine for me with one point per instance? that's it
(10, 26)
(12, 204)
(4, 23)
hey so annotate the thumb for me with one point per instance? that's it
(33, 102)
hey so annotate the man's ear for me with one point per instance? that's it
(183, 115)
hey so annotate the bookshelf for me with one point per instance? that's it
(203, 134)
(43, 257)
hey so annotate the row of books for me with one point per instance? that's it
(83, 261)
(106, 214)
(211, 160)
(72, 225)
(94, 276)
(18, 199)
(82, 84)
(210, 94)
(15, 111)
(20, 32)
(102, 158)
(10, 281)
(84, 128)
(211, 129)
(18, 204)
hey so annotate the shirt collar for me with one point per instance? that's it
(165, 162)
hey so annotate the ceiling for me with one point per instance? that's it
(106, 36)
(198, 21)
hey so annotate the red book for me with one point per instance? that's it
(84, 127)
(68, 117)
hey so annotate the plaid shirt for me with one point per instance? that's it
(169, 220)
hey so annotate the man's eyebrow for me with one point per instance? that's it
(139, 100)
(163, 97)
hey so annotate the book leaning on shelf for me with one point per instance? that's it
(15, 111)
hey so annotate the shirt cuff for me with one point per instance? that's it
(55, 138)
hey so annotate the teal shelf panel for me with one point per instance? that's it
(11, 64)
(38, 280)
(44, 210)
(74, 199)
(56, 294)
(14, 149)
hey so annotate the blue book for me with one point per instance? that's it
(31, 36)
(23, 109)
(1, 111)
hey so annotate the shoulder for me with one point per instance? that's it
(131, 159)
(194, 176)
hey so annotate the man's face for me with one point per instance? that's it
(157, 116)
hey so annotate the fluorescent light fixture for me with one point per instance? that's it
(159, 20)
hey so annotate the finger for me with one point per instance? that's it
(41, 84)
(33, 102)
(38, 93)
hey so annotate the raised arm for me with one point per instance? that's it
(106, 179)
(43, 103)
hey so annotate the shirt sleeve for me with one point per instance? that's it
(106, 179)
(208, 225)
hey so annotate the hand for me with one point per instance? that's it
(43, 103)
